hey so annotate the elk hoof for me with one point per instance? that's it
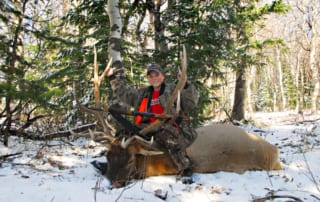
(186, 176)
(187, 179)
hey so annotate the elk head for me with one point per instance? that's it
(124, 159)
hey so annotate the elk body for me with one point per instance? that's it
(222, 147)
(218, 147)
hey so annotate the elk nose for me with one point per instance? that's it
(117, 184)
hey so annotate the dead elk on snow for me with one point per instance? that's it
(218, 147)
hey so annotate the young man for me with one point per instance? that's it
(174, 136)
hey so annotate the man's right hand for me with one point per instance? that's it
(109, 72)
(113, 73)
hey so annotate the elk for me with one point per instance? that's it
(218, 147)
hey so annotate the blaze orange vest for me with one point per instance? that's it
(142, 108)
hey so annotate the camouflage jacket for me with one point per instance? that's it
(133, 97)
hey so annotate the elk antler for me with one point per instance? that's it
(138, 148)
(98, 114)
(125, 143)
(100, 136)
(182, 81)
(107, 128)
(148, 153)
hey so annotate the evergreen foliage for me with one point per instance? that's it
(43, 58)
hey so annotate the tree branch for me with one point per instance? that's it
(268, 198)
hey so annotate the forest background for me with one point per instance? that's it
(243, 55)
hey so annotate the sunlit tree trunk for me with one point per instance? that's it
(301, 97)
(275, 89)
(251, 77)
(309, 10)
(96, 80)
(315, 73)
(298, 81)
(280, 79)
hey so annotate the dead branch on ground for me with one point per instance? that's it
(4, 157)
(58, 134)
(271, 197)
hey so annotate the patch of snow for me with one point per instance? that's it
(62, 172)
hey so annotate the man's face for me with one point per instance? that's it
(155, 79)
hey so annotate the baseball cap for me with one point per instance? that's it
(154, 67)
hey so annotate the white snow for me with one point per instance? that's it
(62, 172)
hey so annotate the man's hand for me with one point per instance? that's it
(113, 73)
(109, 72)
(179, 76)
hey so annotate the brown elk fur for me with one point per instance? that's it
(221, 147)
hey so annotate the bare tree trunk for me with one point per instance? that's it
(280, 79)
(301, 97)
(274, 88)
(309, 27)
(16, 49)
(239, 96)
(299, 82)
(315, 73)
(158, 25)
(159, 28)
(250, 79)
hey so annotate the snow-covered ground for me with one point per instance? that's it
(61, 171)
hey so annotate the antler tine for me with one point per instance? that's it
(148, 144)
(140, 150)
(77, 135)
(124, 143)
(96, 113)
(106, 70)
(100, 136)
(143, 141)
(182, 81)
(149, 153)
